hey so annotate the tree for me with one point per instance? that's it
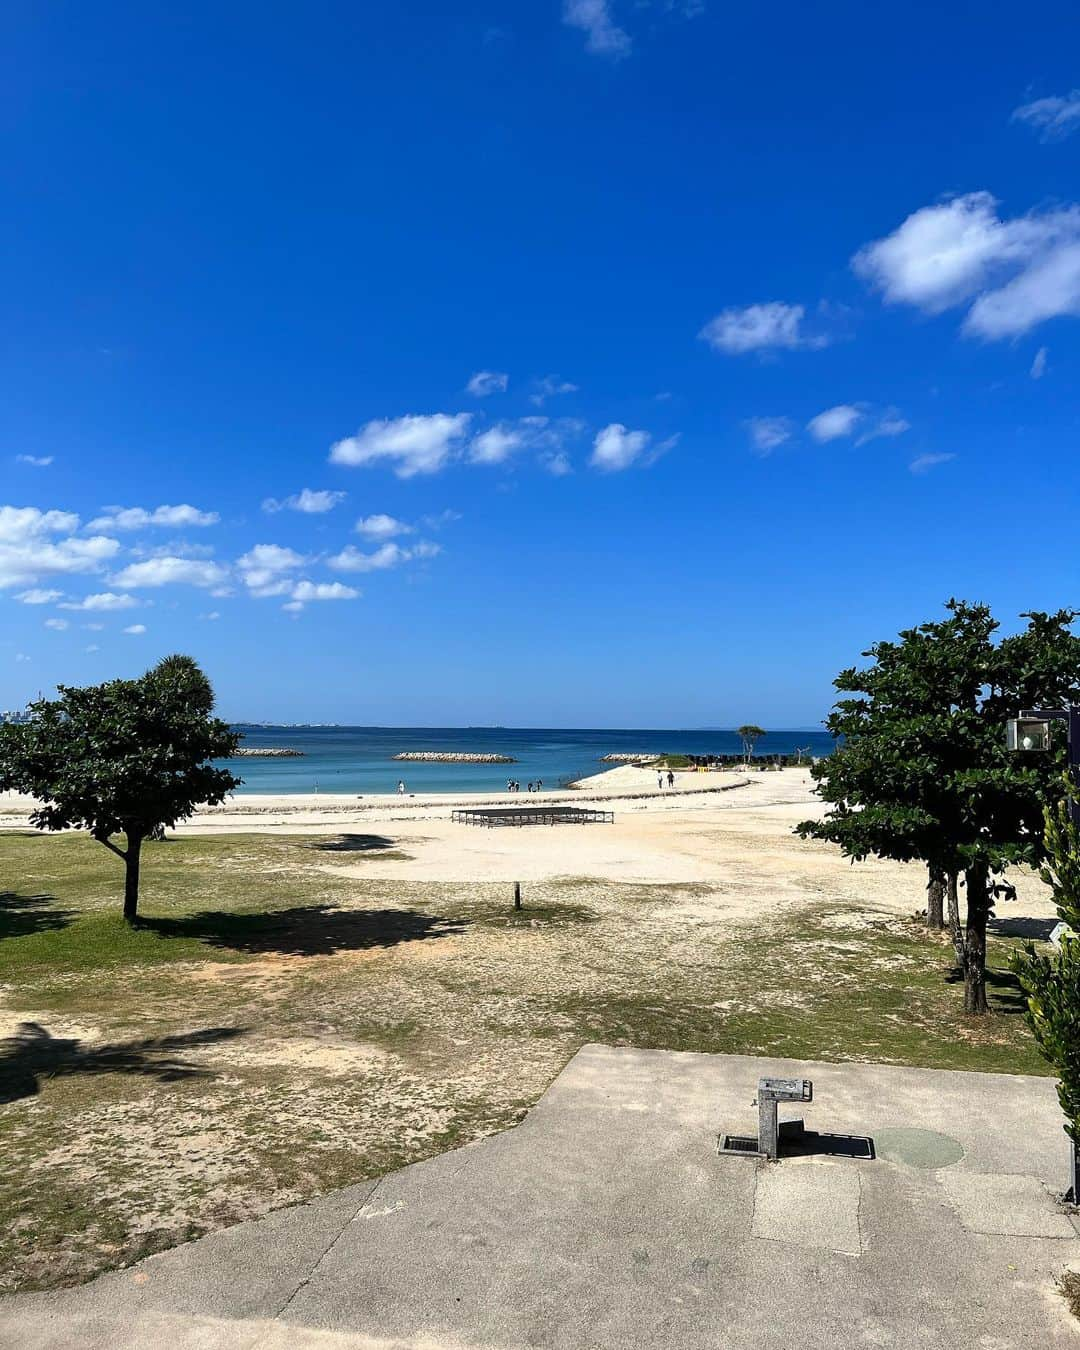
(923, 773)
(126, 757)
(750, 736)
(1051, 984)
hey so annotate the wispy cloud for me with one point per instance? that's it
(59, 625)
(308, 501)
(602, 35)
(1054, 118)
(767, 433)
(550, 386)
(352, 559)
(487, 382)
(137, 518)
(415, 444)
(924, 463)
(834, 423)
(35, 461)
(1012, 274)
(39, 597)
(103, 600)
(135, 629)
(264, 569)
(495, 445)
(772, 326)
(1038, 366)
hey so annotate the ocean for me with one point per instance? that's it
(360, 759)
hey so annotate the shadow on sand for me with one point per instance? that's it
(21, 915)
(34, 1055)
(309, 930)
(1038, 930)
(353, 843)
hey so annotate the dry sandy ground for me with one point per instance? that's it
(729, 830)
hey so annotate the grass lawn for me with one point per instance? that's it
(275, 1029)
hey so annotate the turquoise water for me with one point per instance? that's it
(360, 759)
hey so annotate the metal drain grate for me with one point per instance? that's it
(745, 1144)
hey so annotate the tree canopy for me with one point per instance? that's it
(749, 734)
(922, 771)
(127, 757)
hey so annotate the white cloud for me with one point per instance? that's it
(305, 591)
(37, 461)
(138, 518)
(767, 433)
(209, 618)
(94, 627)
(28, 550)
(495, 445)
(93, 647)
(889, 424)
(442, 518)
(556, 462)
(263, 569)
(21, 656)
(352, 559)
(58, 624)
(486, 382)
(616, 448)
(924, 463)
(1014, 273)
(1038, 366)
(136, 629)
(169, 572)
(550, 387)
(760, 328)
(381, 527)
(19, 524)
(309, 501)
(38, 597)
(1055, 117)
(104, 600)
(602, 35)
(414, 444)
(834, 423)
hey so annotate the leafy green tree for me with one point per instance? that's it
(126, 757)
(1051, 983)
(922, 771)
(750, 735)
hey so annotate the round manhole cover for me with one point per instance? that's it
(918, 1148)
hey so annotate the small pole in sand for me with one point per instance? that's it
(517, 894)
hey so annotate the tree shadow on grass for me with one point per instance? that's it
(307, 930)
(353, 843)
(33, 1055)
(1003, 990)
(21, 915)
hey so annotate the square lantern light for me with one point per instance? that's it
(1027, 733)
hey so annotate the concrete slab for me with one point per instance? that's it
(1006, 1206)
(607, 1220)
(809, 1204)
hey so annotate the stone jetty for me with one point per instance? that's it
(452, 757)
(622, 758)
(269, 752)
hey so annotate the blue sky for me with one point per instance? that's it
(551, 364)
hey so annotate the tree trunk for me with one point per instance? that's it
(978, 910)
(131, 877)
(954, 919)
(935, 899)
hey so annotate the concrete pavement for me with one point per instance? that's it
(607, 1219)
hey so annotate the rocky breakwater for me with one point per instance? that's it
(269, 752)
(622, 758)
(451, 757)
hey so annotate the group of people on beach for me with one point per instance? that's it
(512, 785)
(670, 780)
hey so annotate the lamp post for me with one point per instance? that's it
(1031, 731)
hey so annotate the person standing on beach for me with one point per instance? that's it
(660, 781)
(670, 778)
(401, 787)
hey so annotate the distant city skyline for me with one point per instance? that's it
(621, 364)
